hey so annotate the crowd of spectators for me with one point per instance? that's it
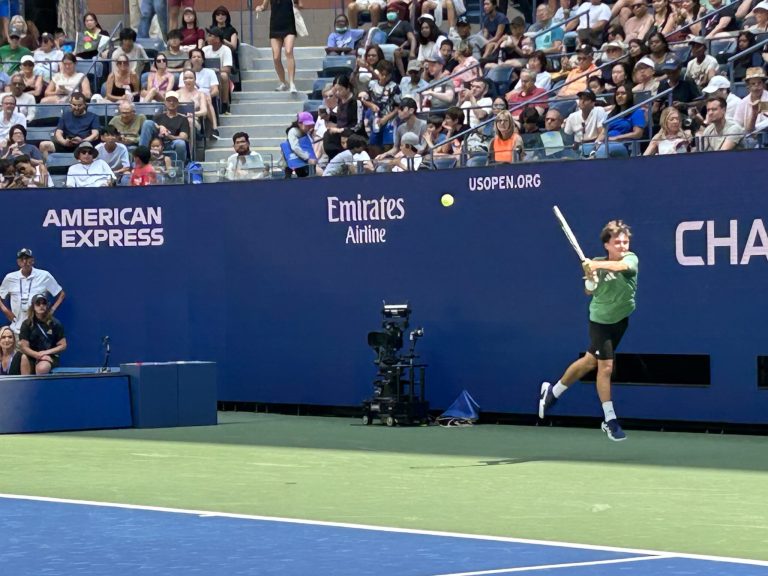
(95, 110)
(579, 82)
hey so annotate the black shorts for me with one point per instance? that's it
(605, 338)
(33, 362)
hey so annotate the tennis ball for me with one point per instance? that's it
(446, 200)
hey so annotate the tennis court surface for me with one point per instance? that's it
(44, 536)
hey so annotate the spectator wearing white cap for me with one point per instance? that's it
(760, 12)
(645, 81)
(33, 82)
(752, 111)
(702, 67)
(721, 86)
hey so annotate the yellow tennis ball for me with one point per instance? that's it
(446, 200)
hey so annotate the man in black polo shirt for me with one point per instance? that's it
(172, 127)
(76, 126)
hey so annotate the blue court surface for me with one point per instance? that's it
(47, 537)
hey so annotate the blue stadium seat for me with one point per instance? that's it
(722, 49)
(155, 44)
(739, 89)
(59, 162)
(48, 115)
(444, 162)
(317, 88)
(36, 134)
(501, 78)
(311, 105)
(681, 51)
(335, 65)
(477, 160)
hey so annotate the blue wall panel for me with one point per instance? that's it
(256, 278)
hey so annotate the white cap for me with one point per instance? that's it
(716, 84)
(646, 61)
(761, 6)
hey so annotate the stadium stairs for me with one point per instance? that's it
(258, 109)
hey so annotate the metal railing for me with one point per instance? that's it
(730, 62)
(562, 24)
(703, 17)
(547, 94)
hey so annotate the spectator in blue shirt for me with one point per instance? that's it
(493, 26)
(621, 129)
(76, 126)
(550, 42)
(343, 39)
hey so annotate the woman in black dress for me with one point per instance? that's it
(282, 36)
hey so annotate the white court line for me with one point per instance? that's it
(555, 566)
(210, 513)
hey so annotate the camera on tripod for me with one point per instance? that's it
(398, 389)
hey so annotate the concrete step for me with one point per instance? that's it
(267, 96)
(305, 73)
(303, 63)
(266, 108)
(264, 52)
(276, 130)
(257, 141)
(268, 85)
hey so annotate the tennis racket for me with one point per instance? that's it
(589, 283)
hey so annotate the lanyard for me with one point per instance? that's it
(21, 290)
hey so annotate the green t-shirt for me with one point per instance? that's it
(11, 57)
(614, 298)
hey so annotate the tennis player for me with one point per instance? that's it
(612, 283)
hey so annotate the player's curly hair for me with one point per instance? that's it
(614, 228)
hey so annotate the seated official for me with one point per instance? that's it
(10, 358)
(41, 337)
(245, 164)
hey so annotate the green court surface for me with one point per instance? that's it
(691, 493)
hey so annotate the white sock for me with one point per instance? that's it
(558, 389)
(608, 411)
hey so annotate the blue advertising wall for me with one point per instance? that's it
(263, 278)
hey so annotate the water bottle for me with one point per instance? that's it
(376, 126)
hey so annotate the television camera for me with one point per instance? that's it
(398, 389)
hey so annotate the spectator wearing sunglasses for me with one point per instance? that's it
(159, 82)
(122, 82)
(90, 171)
